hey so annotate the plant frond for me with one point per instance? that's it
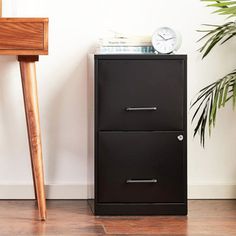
(217, 35)
(226, 7)
(209, 100)
(214, 96)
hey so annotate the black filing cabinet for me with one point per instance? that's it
(137, 134)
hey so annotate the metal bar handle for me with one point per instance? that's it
(131, 181)
(141, 108)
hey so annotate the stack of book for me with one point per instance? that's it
(119, 43)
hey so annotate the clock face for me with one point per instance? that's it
(164, 40)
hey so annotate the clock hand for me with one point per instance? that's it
(171, 38)
(162, 36)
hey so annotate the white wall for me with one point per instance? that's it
(75, 25)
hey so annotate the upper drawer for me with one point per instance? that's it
(142, 94)
(23, 36)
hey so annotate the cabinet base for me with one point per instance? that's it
(138, 208)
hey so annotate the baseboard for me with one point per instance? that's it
(52, 192)
(80, 192)
(212, 192)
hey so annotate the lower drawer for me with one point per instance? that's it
(140, 167)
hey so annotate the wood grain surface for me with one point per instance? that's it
(29, 85)
(206, 218)
(23, 36)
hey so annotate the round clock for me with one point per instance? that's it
(165, 40)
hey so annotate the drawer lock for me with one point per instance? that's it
(180, 137)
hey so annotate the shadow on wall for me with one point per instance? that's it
(65, 136)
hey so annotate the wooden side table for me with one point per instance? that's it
(27, 38)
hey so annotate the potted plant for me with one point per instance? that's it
(215, 95)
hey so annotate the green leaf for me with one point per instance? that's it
(219, 34)
(209, 119)
(234, 94)
(203, 95)
(214, 1)
(212, 44)
(209, 100)
(203, 126)
(199, 122)
(226, 11)
(225, 7)
(222, 4)
(214, 107)
(231, 36)
(225, 93)
(221, 93)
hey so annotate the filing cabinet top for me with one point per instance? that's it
(141, 56)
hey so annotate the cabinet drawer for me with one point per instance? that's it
(140, 94)
(23, 36)
(139, 167)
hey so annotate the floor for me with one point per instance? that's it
(205, 218)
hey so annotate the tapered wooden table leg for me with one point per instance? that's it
(29, 85)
